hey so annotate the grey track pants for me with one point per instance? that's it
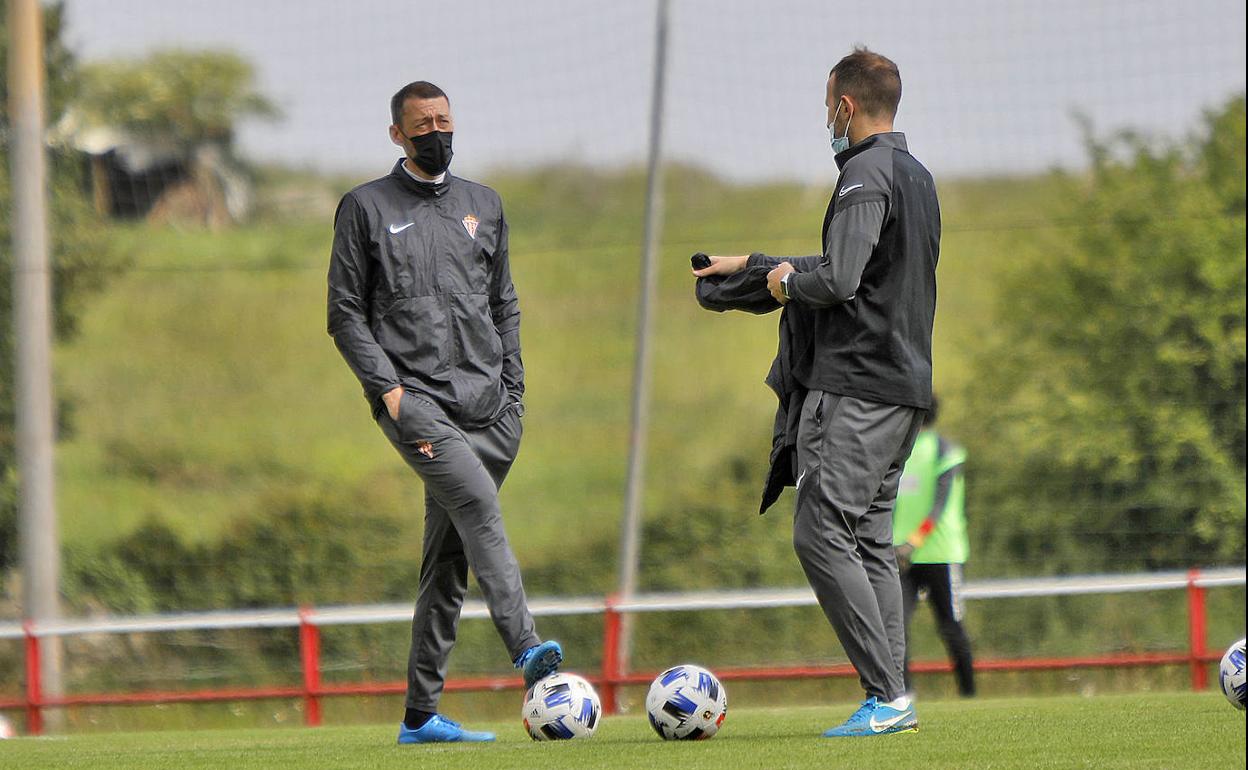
(462, 471)
(850, 455)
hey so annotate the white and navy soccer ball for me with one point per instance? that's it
(686, 703)
(561, 707)
(1231, 675)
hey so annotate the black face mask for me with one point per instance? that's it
(433, 151)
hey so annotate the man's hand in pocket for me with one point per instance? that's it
(392, 398)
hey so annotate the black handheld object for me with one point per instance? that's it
(700, 261)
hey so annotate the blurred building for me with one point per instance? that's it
(162, 180)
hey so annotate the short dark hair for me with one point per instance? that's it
(420, 89)
(872, 80)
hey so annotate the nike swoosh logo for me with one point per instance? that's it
(847, 190)
(886, 723)
(396, 229)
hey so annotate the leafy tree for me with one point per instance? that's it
(79, 257)
(1107, 414)
(191, 97)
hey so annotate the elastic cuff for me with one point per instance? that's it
(533, 641)
(795, 283)
(383, 390)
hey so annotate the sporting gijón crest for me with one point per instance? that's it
(470, 224)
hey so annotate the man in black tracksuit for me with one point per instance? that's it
(422, 307)
(867, 375)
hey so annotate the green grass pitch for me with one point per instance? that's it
(1149, 730)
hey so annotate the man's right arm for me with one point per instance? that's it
(349, 279)
(801, 264)
(950, 459)
(732, 265)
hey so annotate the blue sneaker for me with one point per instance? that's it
(439, 729)
(539, 662)
(876, 718)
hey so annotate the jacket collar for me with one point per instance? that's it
(894, 139)
(405, 181)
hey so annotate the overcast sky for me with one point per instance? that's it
(990, 86)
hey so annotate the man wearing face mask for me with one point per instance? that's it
(422, 307)
(867, 375)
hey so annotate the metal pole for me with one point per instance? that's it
(310, 659)
(40, 550)
(34, 689)
(610, 656)
(630, 533)
(1196, 631)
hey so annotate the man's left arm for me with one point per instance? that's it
(853, 235)
(800, 264)
(505, 312)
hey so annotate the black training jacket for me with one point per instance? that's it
(873, 289)
(747, 291)
(420, 295)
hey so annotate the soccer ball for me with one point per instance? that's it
(1231, 675)
(686, 703)
(561, 707)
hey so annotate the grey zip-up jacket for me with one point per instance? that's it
(420, 295)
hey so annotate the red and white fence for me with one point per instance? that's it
(310, 620)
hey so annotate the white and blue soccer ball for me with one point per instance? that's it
(686, 703)
(561, 707)
(1231, 675)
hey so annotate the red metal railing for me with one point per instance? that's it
(310, 656)
(612, 674)
(1196, 630)
(34, 690)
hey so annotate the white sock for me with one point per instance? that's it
(901, 704)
